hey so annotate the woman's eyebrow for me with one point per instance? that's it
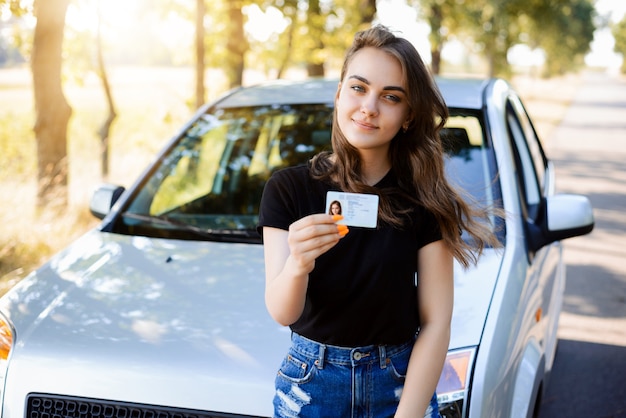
(366, 81)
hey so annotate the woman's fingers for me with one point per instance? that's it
(313, 235)
(317, 219)
(316, 230)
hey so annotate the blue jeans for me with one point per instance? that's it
(321, 381)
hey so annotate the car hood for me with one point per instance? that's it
(165, 322)
(473, 291)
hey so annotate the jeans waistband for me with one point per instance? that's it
(324, 353)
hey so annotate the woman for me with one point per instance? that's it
(368, 339)
(335, 208)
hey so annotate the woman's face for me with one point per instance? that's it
(335, 209)
(371, 101)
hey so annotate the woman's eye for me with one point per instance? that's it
(392, 98)
(358, 88)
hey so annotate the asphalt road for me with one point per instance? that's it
(589, 153)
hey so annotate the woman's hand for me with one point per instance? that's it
(290, 257)
(311, 237)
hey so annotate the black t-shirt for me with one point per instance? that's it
(363, 290)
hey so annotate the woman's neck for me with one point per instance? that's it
(374, 169)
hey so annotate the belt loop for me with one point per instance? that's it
(382, 352)
(320, 360)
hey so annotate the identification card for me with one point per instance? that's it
(357, 209)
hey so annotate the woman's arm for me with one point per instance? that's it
(435, 297)
(290, 257)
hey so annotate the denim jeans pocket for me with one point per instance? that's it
(398, 365)
(296, 368)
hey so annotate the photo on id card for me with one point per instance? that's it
(357, 209)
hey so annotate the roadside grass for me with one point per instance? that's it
(151, 107)
(30, 237)
(152, 104)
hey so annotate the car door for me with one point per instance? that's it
(543, 289)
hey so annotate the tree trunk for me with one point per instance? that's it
(315, 23)
(435, 65)
(368, 11)
(105, 129)
(51, 108)
(200, 12)
(237, 44)
(286, 52)
(436, 38)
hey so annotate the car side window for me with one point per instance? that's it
(529, 156)
(470, 161)
(534, 145)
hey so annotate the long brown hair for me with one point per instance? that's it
(416, 156)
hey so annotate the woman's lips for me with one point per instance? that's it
(364, 125)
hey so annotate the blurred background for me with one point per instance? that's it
(90, 90)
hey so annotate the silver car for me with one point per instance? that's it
(159, 312)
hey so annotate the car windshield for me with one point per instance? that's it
(209, 183)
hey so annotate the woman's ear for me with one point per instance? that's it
(338, 91)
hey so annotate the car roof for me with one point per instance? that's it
(466, 93)
(282, 92)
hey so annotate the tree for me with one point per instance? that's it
(329, 29)
(317, 32)
(225, 43)
(83, 53)
(15, 7)
(346, 18)
(367, 11)
(446, 17)
(236, 43)
(488, 24)
(437, 36)
(51, 107)
(315, 27)
(499, 31)
(9, 50)
(200, 67)
(290, 11)
(105, 129)
(619, 33)
(564, 30)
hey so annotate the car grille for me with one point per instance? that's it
(55, 406)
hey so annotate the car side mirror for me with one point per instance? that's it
(103, 199)
(565, 216)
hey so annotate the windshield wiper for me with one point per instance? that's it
(213, 234)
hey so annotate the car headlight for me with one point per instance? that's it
(453, 383)
(6, 344)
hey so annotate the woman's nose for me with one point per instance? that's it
(369, 106)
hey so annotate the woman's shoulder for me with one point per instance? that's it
(294, 170)
(293, 174)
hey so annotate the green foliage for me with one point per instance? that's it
(17, 142)
(18, 257)
(316, 33)
(447, 18)
(619, 33)
(17, 7)
(564, 29)
(30, 238)
(273, 55)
